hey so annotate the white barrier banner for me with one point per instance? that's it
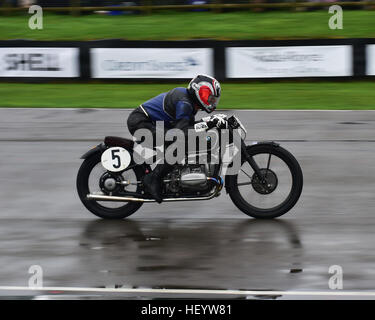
(370, 60)
(150, 62)
(283, 62)
(39, 62)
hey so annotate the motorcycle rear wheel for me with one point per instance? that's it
(95, 207)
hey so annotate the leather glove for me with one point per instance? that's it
(218, 121)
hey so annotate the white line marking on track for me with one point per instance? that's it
(192, 291)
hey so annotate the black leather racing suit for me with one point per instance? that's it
(175, 108)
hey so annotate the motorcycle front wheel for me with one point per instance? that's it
(280, 190)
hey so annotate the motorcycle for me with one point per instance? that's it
(267, 185)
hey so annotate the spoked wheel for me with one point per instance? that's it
(92, 178)
(276, 192)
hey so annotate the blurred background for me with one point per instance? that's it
(341, 80)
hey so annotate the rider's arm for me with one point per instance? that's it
(184, 115)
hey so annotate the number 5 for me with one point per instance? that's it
(116, 157)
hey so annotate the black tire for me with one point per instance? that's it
(291, 199)
(93, 206)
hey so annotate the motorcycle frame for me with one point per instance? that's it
(218, 168)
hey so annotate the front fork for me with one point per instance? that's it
(252, 162)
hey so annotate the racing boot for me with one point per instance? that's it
(153, 181)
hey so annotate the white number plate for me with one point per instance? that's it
(116, 159)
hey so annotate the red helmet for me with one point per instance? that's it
(206, 92)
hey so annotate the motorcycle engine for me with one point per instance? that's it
(189, 178)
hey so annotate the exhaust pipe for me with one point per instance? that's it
(131, 199)
(100, 197)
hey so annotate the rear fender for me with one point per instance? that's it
(98, 149)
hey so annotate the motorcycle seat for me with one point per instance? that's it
(112, 141)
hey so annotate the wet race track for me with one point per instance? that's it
(188, 245)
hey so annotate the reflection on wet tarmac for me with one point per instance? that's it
(239, 254)
(192, 254)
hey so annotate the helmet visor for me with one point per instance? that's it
(213, 100)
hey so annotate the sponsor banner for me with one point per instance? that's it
(370, 60)
(284, 62)
(39, 62)
(150, 62)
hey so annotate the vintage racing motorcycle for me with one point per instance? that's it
(267, 185)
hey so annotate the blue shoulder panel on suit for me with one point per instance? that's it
(155, 110)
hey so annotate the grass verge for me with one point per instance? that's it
(284, 95)
(191, 25)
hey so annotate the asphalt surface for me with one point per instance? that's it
(207, 244)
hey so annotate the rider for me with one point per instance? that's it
(177, 109)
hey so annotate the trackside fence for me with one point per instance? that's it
(172, 60)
